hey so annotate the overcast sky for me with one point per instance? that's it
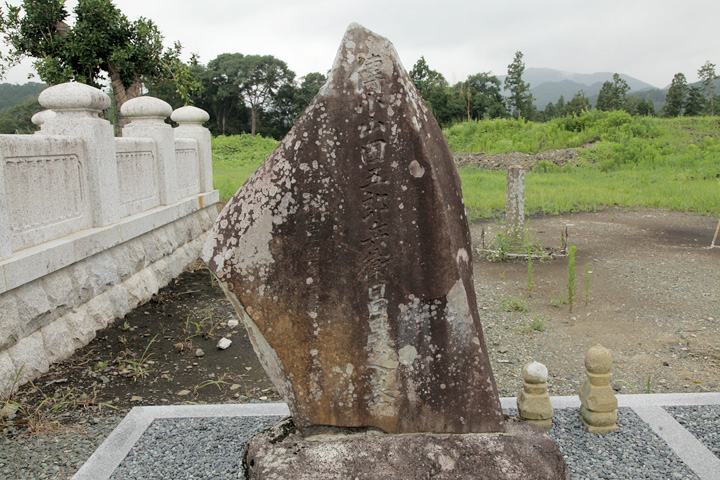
(647, 39)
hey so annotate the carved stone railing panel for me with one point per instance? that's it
(46, 188)
(187, 161)
(137, 175)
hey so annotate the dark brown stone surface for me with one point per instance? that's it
(348, 257)
(524, 452)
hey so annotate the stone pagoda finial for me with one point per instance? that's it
(533, 402)
(599, 404)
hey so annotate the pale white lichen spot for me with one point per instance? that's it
(446, 463)
(309, 281)
(462, 255)
(416, 170)
(407, 355)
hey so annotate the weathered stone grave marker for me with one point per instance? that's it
(515, 204)
(348, 257)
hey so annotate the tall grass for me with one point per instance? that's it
(672, 164)
(235, 158)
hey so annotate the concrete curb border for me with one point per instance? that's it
(699, 458)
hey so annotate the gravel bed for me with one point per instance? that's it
(197, 448)
(56, 454)
(632, 452)
(191, 448)
(703, 421)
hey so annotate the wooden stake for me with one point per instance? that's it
(712, 245)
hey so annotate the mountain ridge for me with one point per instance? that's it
(547, 84)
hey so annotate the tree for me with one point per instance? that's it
(676, 96)
(520, 99)
(613, 94)
(16, 119)
(221, 94)
(433, 88)
(695, 102)
(643, 106)
(258, 79)
(707, 79)
(549, 112)
(309, 87)
(278, 117)
(426, 79)
(11, 94)
(577, 104)
(484, 96)
(102, 42)
(167, 90)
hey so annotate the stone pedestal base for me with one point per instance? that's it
(524, 452)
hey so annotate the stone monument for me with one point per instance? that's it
(599, 404)
(347, 255)
(533, 402)
(515, 204)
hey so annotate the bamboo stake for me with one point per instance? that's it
(712, 245)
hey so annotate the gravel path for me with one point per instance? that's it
(192, 448)
(632, 452)
(703, 421)
(56, 454)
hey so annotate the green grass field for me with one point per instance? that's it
(671, 164)
(235, 158)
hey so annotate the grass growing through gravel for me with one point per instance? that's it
(637, 162)
(514, 304)
(41, 416)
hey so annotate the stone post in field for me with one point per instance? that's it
(533, 402)
(599, 404)
(515, 204)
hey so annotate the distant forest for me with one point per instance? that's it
(260, 94)
(226, 83)
(18, 103)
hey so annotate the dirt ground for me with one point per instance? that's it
(654, 300)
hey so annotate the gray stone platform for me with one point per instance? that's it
(696, 454)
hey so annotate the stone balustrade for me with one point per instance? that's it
(92, 225)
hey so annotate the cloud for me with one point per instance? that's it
(647, 39)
